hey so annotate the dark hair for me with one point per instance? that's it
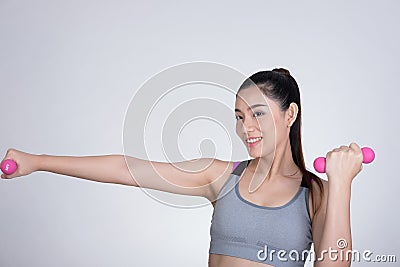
(281, 87)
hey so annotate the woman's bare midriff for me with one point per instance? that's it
(218, 260)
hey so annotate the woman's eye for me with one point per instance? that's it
(256, 114)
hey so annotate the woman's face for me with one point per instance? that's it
(259, 119)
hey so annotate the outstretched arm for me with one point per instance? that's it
(106, 169)
(192, 177)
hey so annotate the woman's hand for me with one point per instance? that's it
(343, 164)
(26, 163)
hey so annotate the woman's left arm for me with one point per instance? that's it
(331, 223)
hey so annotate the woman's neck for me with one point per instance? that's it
(282, 165)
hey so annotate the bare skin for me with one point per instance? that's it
(281, 179)
(278, 194)
(272, 171)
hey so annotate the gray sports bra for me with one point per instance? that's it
(279, 236)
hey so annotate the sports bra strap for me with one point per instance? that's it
(235, 164)
(240, 167)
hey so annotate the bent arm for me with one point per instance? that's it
(333, 241)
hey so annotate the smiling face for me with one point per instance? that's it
(259, 119)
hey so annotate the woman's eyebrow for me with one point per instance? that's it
(251, 107)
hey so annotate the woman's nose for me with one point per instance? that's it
(250, 124)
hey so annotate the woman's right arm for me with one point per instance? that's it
(198, 177)
(106, 169)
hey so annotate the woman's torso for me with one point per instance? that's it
(276, 201)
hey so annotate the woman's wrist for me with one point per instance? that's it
(339, 184)
(40, 159)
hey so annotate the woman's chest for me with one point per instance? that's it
(239, 220)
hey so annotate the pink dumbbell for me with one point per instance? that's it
(8, 166)
(368, 157)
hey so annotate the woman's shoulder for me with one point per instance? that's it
(220, 172)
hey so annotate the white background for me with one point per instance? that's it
(68, 70)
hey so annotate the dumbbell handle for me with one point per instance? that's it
(368, 157)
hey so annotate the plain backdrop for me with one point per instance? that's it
(68, 72)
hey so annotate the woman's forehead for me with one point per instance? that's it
(251, 96)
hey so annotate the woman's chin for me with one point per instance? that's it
(260, 154)
(254, 153)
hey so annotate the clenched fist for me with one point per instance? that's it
(27, 163)
(344, 163)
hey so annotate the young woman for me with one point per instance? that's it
(287, 207)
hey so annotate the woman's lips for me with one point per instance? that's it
(255, 143)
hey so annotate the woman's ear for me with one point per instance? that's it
(292, 114)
